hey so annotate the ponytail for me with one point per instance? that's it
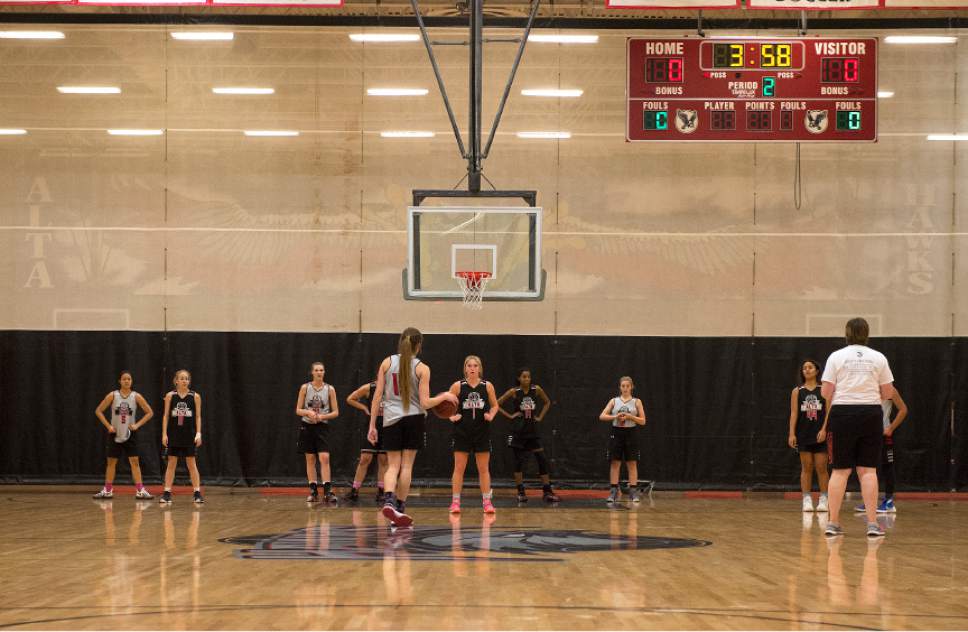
(410, 341)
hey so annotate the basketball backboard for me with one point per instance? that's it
(502, 241)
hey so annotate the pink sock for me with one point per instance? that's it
(357, 484)
(139, 487)
(379, 485)
(108, 487)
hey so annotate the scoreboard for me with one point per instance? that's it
(752, 89)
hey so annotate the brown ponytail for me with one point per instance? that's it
(410, 341)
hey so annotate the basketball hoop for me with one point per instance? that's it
(472, 284)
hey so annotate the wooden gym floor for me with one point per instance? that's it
(251, 560)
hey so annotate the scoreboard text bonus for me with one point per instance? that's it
(752, 89)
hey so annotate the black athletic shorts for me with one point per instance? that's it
(124, 449)
(369, 447)
(182, 451)
(623, 444)
(313, 438)
(854, 435)
(407, 433)
(812, 447)
(473, 436)
(527, 442)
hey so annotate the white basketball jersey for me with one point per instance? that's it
(122, 415)
(393, 408)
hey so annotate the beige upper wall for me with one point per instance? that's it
(206, 229)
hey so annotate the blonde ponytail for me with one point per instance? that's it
(410, 341)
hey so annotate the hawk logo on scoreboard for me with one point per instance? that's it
(816, 121)
(687, 121)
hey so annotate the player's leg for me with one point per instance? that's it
(457, 480)
(140, 492)
(543, 472)
(889, 476)
(520, 459)
(381, 470)
(311, 477)
(633, 469)
(324, 473)
(806, 478)
(196, 479)
(614, 467)
(169, 477)
(483, 460)
(109, 471)
(359, 476)
(823, 479)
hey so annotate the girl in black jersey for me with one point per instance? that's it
(524, 439)
(368, 449)
(121, 437)
(316, 405)
(626, 415)
(472, 430)
(807, 411)
(181, 433)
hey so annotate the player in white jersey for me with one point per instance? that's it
(403, 385)
(856, 379)
(316, 405)
(627, 415)
(122, 433)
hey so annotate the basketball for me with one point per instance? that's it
(445, 409)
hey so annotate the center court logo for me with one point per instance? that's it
(441, 544)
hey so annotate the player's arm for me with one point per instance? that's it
(822, 435)
(381, 381)
(606, 416)
(504, 398)
(455, 391)
(333, 406)
(902, 411)
(146, 409)
(99, 412)
(198, 419)
(354, 398)
(547, 403)
(792, 434)
(301, 410)
(164, 420)
(492, 400)
(426, 401)
(639, 413)
(827, 390)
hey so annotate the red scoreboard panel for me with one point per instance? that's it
(752, 89)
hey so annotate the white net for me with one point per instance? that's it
(472, 284)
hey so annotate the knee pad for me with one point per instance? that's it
(542, 463)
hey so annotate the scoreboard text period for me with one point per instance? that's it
(752, 89)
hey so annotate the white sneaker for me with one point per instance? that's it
(807, 503)
(103, 494)
(143, 494)
(822, 504)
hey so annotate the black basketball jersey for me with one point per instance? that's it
(379, 410)
(472, 402)
(527, 404)
(811, 408)
(181, 422)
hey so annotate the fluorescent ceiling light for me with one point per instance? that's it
(271, 132)
(397, 92)
(88, 90)
(244, 90)
(885, 94)
(563, 39)
(920, 39)
(552, 93)
(544, 134)
(42, 35)
(947, 136)
(384, 37)
(135, 132)
(204, 36)
(12, 132)
(407, 134)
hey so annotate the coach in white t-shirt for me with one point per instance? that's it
(855, 381)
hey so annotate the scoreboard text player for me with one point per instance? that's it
(752, 89)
